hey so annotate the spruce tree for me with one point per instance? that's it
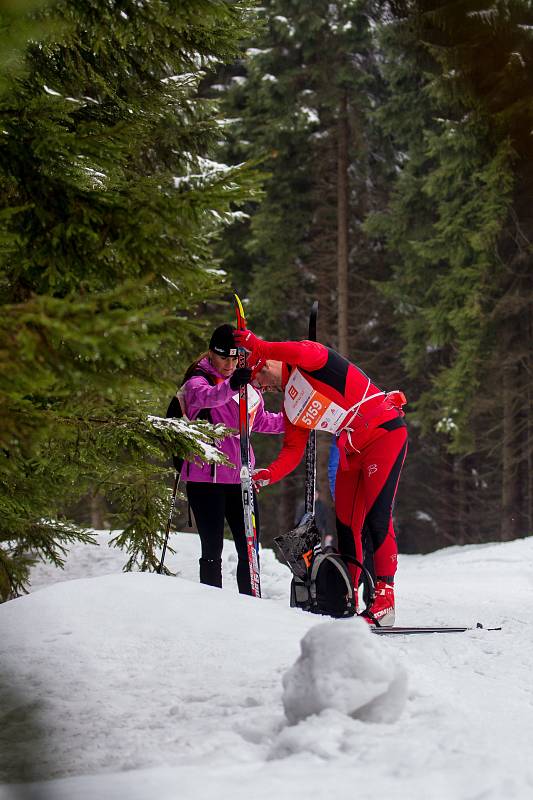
(110, 205)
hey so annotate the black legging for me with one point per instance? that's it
(211, 504)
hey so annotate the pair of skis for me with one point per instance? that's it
(250, 528)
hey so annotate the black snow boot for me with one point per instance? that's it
(211, 572)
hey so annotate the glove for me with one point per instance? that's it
(241, 376)
(260, 479)
(249, 341)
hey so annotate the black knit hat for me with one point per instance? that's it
(222, 342)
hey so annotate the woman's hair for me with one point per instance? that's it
(191, 369)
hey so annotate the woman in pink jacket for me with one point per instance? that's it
(211, 391)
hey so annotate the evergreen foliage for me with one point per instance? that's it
(452, 227)
(403, 127)
(305, 59)
(109, 209)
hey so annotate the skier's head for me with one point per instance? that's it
(268, 378)
(223, 350)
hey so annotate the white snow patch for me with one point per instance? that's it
(208, 170)
(170, 282)
(185, 78)
(256, 51)
(193, 430)
(311, 114)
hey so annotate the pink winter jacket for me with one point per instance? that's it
(223, 403)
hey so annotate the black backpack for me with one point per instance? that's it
(175, 410)
(326, 588)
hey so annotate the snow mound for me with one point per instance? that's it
(344, 667)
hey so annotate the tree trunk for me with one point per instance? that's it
(511, 494)
(529, 424)
(530, 455)
(461, 499)
(342, 226)
(97, 512)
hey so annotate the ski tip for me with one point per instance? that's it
(239, 305)
(480, 625)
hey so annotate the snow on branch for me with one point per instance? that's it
(197, 437)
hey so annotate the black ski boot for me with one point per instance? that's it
(211, 572)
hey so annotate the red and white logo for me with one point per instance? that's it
(371, 469)
(293, 392)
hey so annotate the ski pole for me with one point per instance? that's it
(169, 522)
(310, 449)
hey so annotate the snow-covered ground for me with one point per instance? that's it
(145, 687)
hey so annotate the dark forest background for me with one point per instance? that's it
(376, 156)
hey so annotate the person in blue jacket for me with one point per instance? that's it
(333, 463)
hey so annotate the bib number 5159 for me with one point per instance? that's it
(312, 412)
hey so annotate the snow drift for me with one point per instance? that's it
(343, 667)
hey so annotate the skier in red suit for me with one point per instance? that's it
(324, 391)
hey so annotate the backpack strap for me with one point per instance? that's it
(175, 410)
(365, 578)
(204, 413)
(318, 560)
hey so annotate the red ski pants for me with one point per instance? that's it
(364, 499)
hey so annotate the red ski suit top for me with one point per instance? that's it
(340, 381)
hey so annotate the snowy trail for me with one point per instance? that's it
(142, 686)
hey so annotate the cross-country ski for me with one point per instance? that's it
(406, 631)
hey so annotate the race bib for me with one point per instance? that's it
(307, 408)
(253, 403)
